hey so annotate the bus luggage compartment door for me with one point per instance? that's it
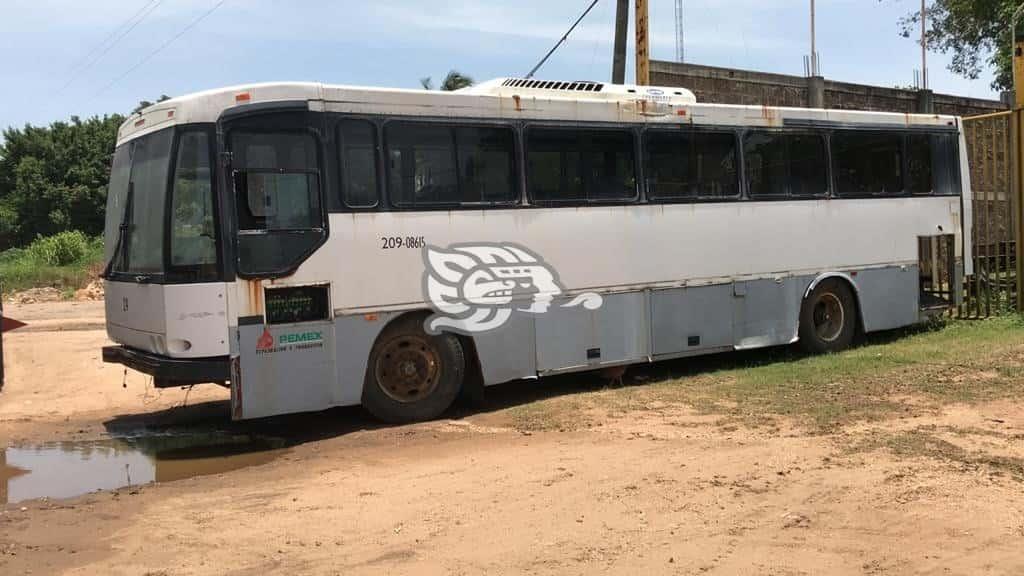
(283, 368)
(574, 338)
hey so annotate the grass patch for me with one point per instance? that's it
(961, 361)
(922, 443)
(66, 261)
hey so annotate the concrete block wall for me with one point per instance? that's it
(734, 86)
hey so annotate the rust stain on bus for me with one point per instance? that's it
(518, 102)
(255, 300)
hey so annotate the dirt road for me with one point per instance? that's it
(560, 477)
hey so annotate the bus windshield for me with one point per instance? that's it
(134, 231)
(142, 176)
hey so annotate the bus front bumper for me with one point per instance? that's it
(170, 372)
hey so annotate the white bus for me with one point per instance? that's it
(312, 246)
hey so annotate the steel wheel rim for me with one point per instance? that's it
(829, 317)
(408, 369)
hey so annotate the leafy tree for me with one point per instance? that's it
(55, 178)
(143, 104)
(976, 32)
(453, 81)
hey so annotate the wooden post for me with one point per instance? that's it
(1017, 160)
(643, 56)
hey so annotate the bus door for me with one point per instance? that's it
(283, 361)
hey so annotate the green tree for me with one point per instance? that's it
(54, 178)
(453, 81)
(143, 104)
(976, 32)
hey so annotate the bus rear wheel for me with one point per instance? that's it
(412, 376)
(828, 317)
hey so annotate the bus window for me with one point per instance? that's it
(421, 164)
(566, 166)
(358, 140)
(868, 163)
(192, 217)
(150, 164)
(443, 165)
(684, 165)
(784, 164)
(486, 165)
(932, 164)
(276, 178)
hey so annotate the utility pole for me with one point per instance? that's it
(643, 56)
(621, 29)
(680, 37)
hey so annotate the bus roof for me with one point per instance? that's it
(507, 98)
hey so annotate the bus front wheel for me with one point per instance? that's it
(412, 376)
(828, 317)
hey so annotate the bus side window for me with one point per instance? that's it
(684, 165)
(579, 166)
(933, 164)
(780, 164)
(486, 165)
(868, 162)
(421, 164)
(358, 139)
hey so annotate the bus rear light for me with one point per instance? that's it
(170, 113)
(243, 97)
(140, 122)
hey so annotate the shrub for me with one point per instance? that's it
(61, 249)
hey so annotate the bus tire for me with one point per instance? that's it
(828, 317)
(412, 376)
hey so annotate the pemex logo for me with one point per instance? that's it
(266, 341)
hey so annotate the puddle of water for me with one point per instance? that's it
(66, 469)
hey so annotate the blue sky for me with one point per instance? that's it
(396, 42)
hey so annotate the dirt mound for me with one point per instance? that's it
(92, 291)
(34, 295)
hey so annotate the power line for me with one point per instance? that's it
(559, 43)
(88, 62)
(160, 48)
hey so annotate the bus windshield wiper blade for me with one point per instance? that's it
(121, 245)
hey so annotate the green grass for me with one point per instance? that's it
(961, 361)
(66, 261)
(922, 442)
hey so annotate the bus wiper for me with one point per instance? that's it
(121, 244)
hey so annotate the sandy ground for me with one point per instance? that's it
(56, 379)
(664, 491)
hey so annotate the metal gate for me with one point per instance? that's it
(992, 151)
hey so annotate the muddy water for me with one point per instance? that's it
(65, 469)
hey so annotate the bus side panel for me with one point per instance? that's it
(574, 338)
(691, 319)
(889, 297)
(508, 353)
(355, 337)
(767, 311)
(284, 368)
